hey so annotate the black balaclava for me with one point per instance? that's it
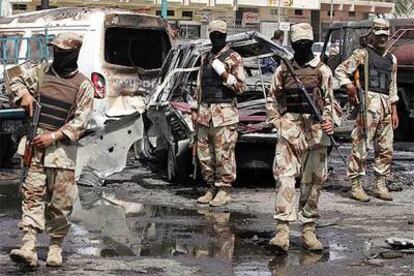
(303, 51)
(65, 61)
(218, 41)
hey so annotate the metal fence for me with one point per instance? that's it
(36, 48)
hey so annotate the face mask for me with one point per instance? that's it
(218, 41)
(65, 62)
(303, 51)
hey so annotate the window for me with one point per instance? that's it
(298, 12)
(329, 13)
(187, 14)
(19, 7)
(38, 8)
(132, 47)
(10, 46)
(351, 14)
(169, 13)
(38, 49)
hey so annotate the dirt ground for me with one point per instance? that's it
(143, 225)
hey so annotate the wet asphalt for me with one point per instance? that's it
(143, 225)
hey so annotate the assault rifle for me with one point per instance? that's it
(28, 151)
(361, 109)
(316, 112)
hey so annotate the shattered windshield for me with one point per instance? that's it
(133, 47)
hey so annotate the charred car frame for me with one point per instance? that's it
(169, 131)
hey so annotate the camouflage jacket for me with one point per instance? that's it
(26, 78)
(301, 128)
(221, 114)
(375, 101)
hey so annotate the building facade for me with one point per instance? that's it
(190, 17)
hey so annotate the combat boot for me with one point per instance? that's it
(27, 253)
(381, 190)
(54, 255)
(281, 239)
(208, 196)
(357, 192)
(221, 198)
(309, 239)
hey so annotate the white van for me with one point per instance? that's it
(122, 53)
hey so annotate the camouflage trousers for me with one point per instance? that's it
(311, 167)
(48, 197)
(379, 132)
(215, 151)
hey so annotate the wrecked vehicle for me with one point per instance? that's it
(122, 54)
(170, 131)
(348, 36)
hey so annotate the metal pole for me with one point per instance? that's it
(164, 8)
(44, 4)
(1, 6)
(331, 13)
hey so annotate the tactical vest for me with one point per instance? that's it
(292, 100)
(58, 99)
(379, 72)
(213, 90)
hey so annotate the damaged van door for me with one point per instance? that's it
(134, 51)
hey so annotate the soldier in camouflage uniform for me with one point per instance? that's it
(301, 149)
(215, 115)
(66, 98)
(378, 71)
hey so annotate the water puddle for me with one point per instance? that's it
(123, 228)
(218, 241)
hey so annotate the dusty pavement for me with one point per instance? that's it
(143, 225)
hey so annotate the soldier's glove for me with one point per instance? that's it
(219, 67)
(352, 93)
(231, 80)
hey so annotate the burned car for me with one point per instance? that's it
(170, 130)
(122, 53)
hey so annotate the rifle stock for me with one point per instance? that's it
(316, 113)
(28, 151)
